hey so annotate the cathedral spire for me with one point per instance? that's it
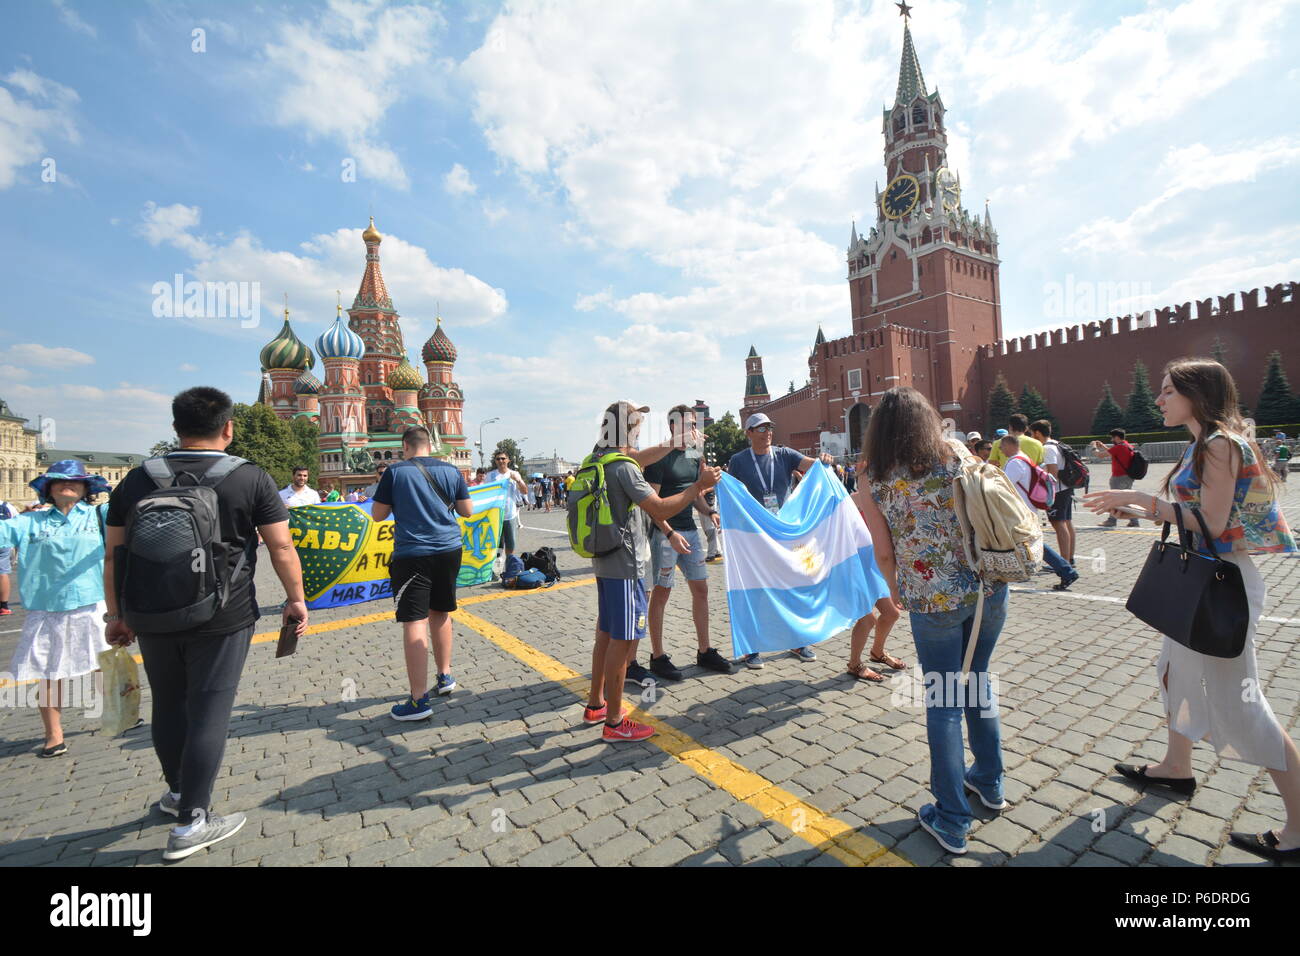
(910, 80)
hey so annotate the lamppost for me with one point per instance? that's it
(486, 421)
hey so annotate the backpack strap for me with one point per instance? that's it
(432, 484)
(160, 470)
(221, 470)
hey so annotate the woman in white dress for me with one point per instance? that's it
(1223, 475)
(61, 582)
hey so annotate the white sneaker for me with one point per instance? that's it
(203, 833)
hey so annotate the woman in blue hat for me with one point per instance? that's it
(61, 580)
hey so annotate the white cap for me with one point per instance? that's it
(756, 419)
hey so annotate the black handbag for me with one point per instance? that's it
(1198, 600)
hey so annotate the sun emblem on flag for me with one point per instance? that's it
(809, 559)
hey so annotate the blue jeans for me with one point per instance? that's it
(1059, 564)
(940, 641)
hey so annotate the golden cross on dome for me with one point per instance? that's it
(286, 307)
(904, 10)
(338, 302)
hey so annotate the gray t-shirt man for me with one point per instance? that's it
(627, 486)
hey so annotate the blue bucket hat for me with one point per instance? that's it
(1001, 433)
(69, 469)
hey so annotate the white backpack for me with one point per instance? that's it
(1002, 537)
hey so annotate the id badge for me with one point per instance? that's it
(771, 504)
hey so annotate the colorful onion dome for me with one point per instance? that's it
(286, 351)
(404, 378)
(439, 347)
(307, 384)
(372, 234)
(339, 341)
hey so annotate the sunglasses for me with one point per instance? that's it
(763, 428)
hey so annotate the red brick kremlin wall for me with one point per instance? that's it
(1069, 365)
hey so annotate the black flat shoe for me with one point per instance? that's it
(1185, 786)
(1265, 845)
(58, 750)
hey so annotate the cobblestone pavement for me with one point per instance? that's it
(793, 765)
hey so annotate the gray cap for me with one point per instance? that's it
(756, 419)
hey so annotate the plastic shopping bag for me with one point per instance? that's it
(121, 691)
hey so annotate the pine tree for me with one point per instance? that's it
(1108, 414)
(1141, 413)
(1276, 403)
(791, 389)
(1002, 404)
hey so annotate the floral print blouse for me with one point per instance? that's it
(1256, 524)
(934, 575)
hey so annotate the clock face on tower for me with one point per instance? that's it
(900, 196)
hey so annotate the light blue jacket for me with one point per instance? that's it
(60, 558)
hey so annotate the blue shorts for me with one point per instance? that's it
(666, 559)
(5, 566)
(621, 608)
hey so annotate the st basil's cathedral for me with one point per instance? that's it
(371, 393)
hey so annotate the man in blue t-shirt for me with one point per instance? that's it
(424, 495)
(766, 471)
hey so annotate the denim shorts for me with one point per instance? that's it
(666, 559)
(6, 567)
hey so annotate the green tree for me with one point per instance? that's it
(1141, 413)
(511, 448)
(164, 446)
(723, 439)
(790, 390)
(1034, 407)
(266, 441)
(1108, 414)
(1002, 404)
(1276, 403)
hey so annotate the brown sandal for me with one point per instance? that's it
(863, 672)
(889, 661)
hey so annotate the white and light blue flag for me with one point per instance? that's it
(799, 576)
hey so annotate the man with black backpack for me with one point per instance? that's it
(180, 551)
(424, 495)
(1122, 469)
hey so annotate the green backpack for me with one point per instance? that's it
(593, 531)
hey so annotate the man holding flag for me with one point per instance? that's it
(766, 472)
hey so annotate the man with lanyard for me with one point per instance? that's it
(511, 510)
(766, 471)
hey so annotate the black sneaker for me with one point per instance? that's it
(711, 660)
(663, 667)
(637, 674)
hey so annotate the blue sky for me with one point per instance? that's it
(604, 200)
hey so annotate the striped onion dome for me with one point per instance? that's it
(439, 347)
(286, 351)
(339, 341)
(404, 378)
(307, 384)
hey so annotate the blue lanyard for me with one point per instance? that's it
(771, 470)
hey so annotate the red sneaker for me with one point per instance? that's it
(596, 715)
(5, 610)
(628, 730)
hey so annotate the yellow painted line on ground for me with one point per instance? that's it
(267, 636)
(824, 832)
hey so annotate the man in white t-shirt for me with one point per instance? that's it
(510, 513)
(297, 492)
(1019, 470)
(1061, 514)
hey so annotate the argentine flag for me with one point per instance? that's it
(797, 577)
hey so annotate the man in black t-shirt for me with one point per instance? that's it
(194, 674)
(676, 543)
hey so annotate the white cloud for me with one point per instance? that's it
(31, 121)
(1194, 168)
(494, 212)
(127, 418)
(324, 263)
(73, 19)
(337, 75)
(187, 367)
(457, 182)
(44, 356)
(12, 373)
